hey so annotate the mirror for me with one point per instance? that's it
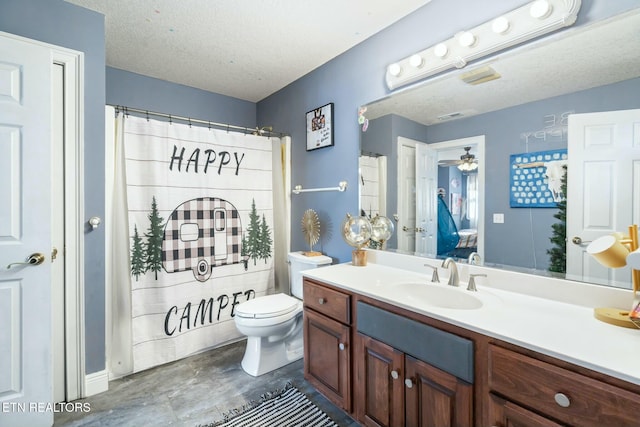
(593, 68)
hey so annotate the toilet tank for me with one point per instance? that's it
(297, 264)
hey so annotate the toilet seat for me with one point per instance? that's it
(267, 307)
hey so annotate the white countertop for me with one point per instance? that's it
(559, 329)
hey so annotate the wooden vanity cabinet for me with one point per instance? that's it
(327, 342)
(507, 414)
(393, 389)
(436, 398)
(355, 355)
(397, 382)
(379, 383)
(531, 391)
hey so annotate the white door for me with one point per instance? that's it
(604, 155)
(406, 194)
(25, 229)
(426, 201)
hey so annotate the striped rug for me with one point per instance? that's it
(287, 408)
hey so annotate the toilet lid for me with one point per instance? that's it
(267, 306)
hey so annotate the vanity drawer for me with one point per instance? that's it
(331, 303)
(566, 396)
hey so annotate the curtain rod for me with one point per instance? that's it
(260, 131)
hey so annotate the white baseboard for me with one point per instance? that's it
(96, 383)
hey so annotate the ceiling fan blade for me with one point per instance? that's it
(449, 162)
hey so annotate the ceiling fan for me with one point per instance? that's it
(467, 162)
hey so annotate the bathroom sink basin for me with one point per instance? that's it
(438, 296)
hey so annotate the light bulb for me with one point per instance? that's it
(416, 61)
(440, 50)
(467, 39)
(500, 25)
(395, 69)
(540, 9)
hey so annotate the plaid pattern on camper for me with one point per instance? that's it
(201, 234)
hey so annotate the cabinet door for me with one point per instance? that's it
(378, 383)
(327, 361)
(507, 414)
(436, 398)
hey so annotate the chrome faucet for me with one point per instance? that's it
(454, 279)
(474, 258)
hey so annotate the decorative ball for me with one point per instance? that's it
(381, 228)
(356, 231)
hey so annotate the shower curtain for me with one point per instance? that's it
(199, 225)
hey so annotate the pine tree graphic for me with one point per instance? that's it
(153, 250)
(265, 240)
(137, 255)
(252, 247)
(558, 253)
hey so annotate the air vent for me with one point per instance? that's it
(480, 75)
(450, 116)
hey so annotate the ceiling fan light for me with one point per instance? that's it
(467, 166)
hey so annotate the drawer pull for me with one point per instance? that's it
(321, 301)
(341, 346)
(562, 400)
(408, 382)
(394, 375)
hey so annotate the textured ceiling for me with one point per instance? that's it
(246, 49)
(575, 59)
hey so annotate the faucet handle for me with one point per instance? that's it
(472, 282)
(434, 277)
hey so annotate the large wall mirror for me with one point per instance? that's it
(442, 155)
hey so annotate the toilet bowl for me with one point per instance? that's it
(273, 323)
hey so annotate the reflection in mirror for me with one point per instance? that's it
(538, 104)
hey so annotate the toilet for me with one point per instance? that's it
(273, 323)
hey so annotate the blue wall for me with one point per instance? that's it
(69, 26)
(147, 93)
(356, 78)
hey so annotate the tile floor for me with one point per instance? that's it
(194, 391)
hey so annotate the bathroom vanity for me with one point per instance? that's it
(392, 348)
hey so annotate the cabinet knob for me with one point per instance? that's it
(341, 346)
(408, 382)
(321, 301)
(562, 400)
(394, 375)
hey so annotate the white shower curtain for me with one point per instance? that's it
(170, 176)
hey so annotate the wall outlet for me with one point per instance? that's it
(498, 218)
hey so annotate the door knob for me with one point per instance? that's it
(577, 240)
(34, 259)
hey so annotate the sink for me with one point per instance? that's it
(438, 296)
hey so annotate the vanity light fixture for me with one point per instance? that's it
(532, 20)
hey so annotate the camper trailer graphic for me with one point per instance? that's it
(201, 234)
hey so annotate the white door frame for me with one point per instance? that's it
(73, 62)
(406, 222)
(478, 143)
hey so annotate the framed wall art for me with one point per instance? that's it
(536, 179)
(320, 127)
